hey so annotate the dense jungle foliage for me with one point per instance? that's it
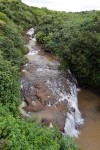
(15, 132)
(75, 38)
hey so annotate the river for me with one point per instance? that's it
(89, 105)
(51, 95)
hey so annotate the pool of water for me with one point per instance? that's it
(89, 105)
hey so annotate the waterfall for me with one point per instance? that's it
(59, 85)
(74, 119)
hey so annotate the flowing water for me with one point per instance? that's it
(58, 87)
(89, 105)
(48, 92)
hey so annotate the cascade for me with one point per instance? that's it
(59, 92)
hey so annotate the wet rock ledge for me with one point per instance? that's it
(48, 93)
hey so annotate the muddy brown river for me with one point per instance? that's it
(89, 105)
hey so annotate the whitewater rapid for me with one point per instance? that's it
(54, 82)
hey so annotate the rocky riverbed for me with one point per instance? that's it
(48, 93)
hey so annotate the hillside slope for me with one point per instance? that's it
(15, 132)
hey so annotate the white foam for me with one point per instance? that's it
(78, 89)
(30, 32)
(22, 111)
(39, 69)
(49, 104)
(70, 126)
(26, 65)
(74, 117)
(23, 70)
(32, 53)
(21, 86)
(30, 46)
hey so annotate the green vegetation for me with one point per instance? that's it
(15, 132)
(75, 38)
(20, 14)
